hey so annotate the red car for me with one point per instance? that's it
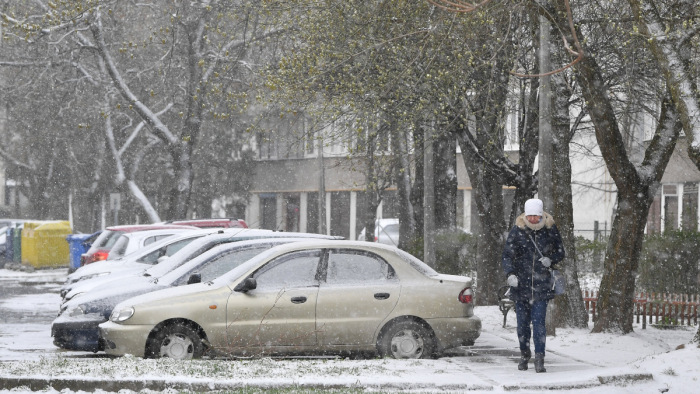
(214, 222)
(104, 242)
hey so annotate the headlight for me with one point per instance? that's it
(122, 314)
(77, 311)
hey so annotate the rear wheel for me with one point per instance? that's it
(407, 339)
(176, 341)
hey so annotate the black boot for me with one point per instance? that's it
(524, 358)
(539, 363)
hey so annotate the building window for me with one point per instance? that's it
(670, 199)
(268, 211)
(312, 212)
(285, 138)
(676, 207)
(689, 218)
(340, 214)
(292, 218)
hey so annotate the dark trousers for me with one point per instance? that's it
(535, 314)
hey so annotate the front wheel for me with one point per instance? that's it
(176, 341)
(407, 339)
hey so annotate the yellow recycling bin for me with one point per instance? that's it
(44, 244)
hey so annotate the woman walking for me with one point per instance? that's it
(534, 247)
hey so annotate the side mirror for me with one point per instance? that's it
(161, 259)
(195, 278)
(247, 285)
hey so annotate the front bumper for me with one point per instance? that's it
(122, 339)
(80, 335)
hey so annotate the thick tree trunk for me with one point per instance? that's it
(616, 299)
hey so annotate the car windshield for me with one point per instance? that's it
(230, 276)
(214, 263)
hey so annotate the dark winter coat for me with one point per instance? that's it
(520, 257)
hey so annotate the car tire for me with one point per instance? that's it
(407, 339)
(176, 341)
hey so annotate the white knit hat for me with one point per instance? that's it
(533, 206)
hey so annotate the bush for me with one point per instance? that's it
(455, 252)
(669, 263)
(590, 255)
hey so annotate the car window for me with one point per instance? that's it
(169, 250)
(176, 246)
(296, 269)
(392, 229)
(119, 247)
(417, 264)
(107, 238)
(150, 240)
(223, 263)
(357, 267)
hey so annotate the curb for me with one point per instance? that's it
(138, 385)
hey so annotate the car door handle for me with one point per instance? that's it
(381, 296)
(298, 300)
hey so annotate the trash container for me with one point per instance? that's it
(9, 248)
(17, 245)
(77, 246)
(44, 244)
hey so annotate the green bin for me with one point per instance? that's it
(17, 245)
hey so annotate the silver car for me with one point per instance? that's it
(310, 297)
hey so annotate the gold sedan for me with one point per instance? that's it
(313, 297)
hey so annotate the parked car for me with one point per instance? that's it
(131, 242)
(319, 297)
(103, 244)
(386, 231)
(148, 266)
(212, 223)
(76, 327)
(139, 261)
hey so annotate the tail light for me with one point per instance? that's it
(466, 296)
(97, 256)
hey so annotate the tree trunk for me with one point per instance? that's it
(616, 299)
(374, 195)
(445, 175)
(418, 187)
(407, 223)
(570, 308)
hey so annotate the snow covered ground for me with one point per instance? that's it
(646, 361)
